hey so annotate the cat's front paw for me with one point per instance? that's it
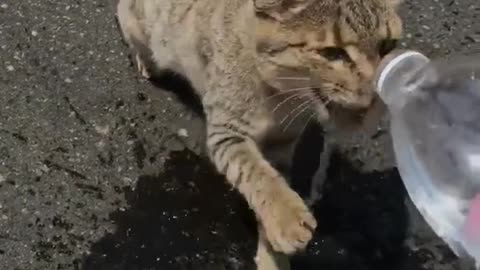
(288, 223)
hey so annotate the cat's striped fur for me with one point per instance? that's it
(245, 58)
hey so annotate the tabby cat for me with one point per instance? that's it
(246, 58)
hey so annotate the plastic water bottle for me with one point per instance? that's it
(435, 128)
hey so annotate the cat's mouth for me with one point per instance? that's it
(324, 100)
(331, 104)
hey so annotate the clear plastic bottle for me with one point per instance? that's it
(435, 128)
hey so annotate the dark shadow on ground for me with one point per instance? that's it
(188, 218)
(177, 84)
(362, 217)
(185, 218)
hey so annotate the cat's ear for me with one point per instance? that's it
(280, 9)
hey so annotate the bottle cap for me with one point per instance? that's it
(390, 61)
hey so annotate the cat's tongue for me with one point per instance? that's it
(472, 223)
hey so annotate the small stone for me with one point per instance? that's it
(4, 6)
(102, 130)
(44, 168)
(68, 80)
(127, 180)
(100, 144)
(34, 33)
(182, 132)
(10, 68)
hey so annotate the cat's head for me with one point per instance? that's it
(327, 49)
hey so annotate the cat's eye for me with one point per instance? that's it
(386, 46)
(334, 54)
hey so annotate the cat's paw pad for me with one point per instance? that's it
(288, 223)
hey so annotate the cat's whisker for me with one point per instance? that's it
(292, 90)
(292, 112)
(312, 115)
(287, 99)
(327, 101)
(295, 117)
(293, 78)
(297, 89)
(287, 92)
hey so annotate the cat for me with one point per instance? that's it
(246, 59)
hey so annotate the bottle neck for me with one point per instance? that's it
(394, 74)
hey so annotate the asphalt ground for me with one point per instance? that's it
(96, 163)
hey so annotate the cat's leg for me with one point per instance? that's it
(267, 258)
(133, 33)
(278, 148)
(232, 145)
(320, 175)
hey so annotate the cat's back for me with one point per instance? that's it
(190, 36)
(154, 12)
(174, 13)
